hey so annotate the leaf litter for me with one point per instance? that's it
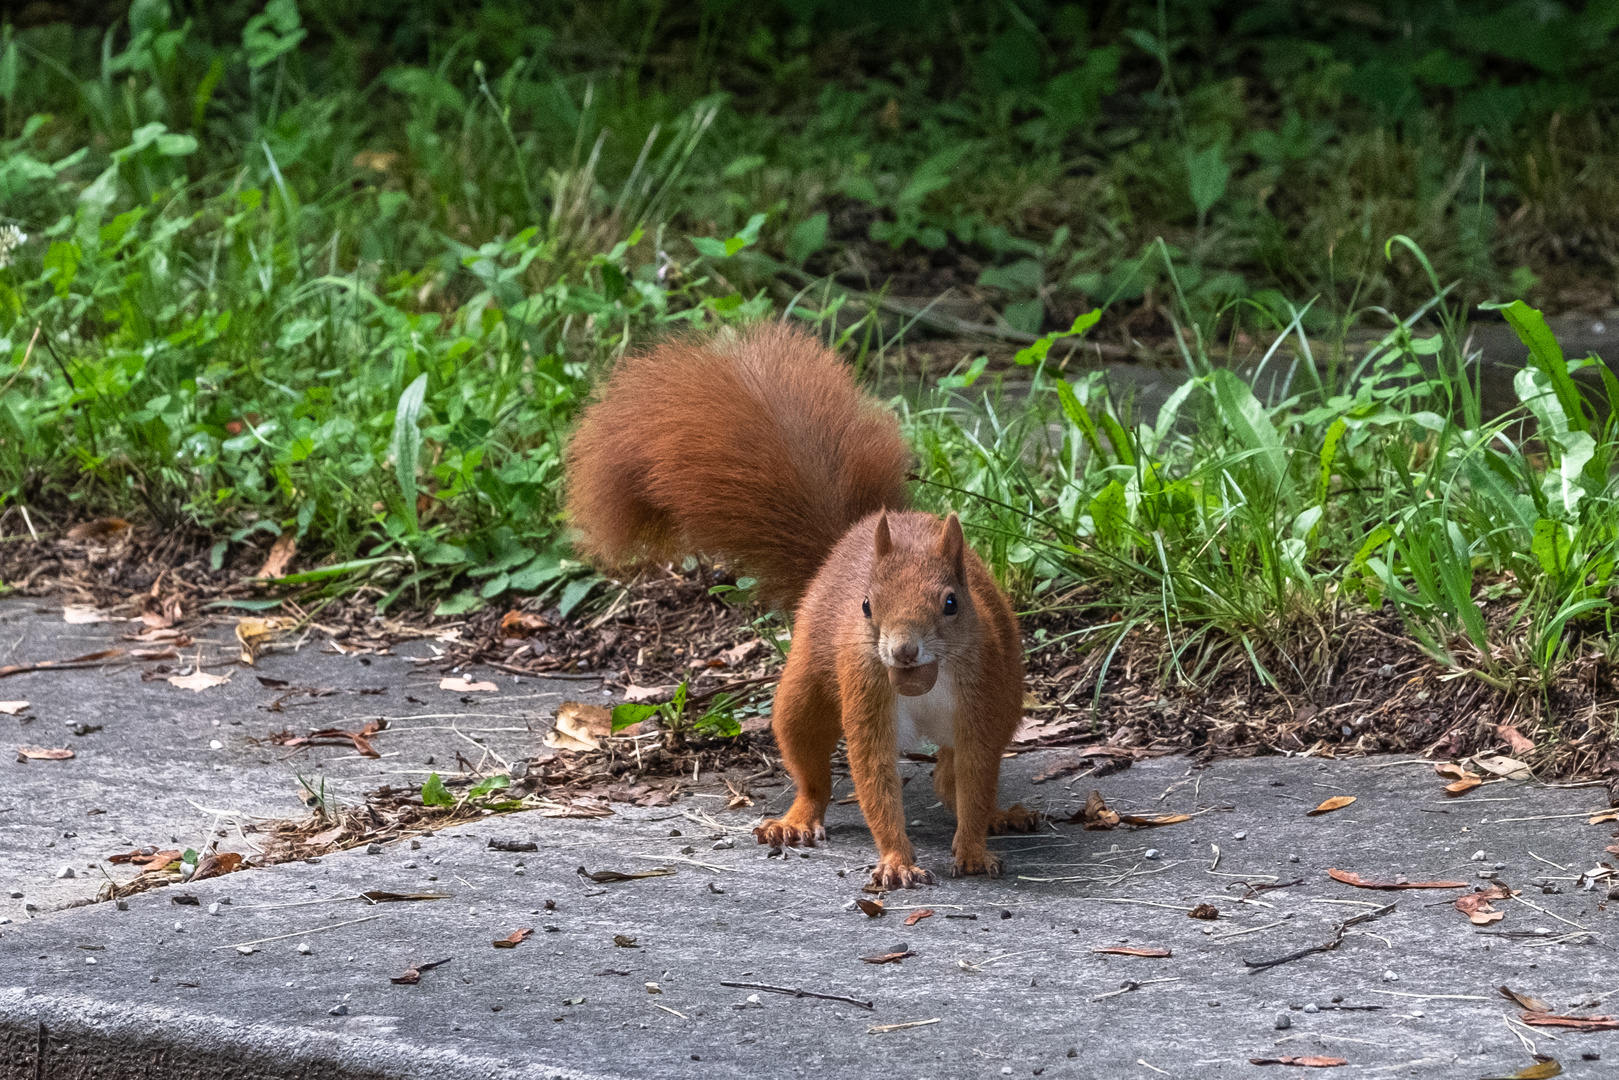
(1400, 882)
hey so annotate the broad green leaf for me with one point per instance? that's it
(1551, 546)
(574, 594)
(488, 784)
(1329, 452)
(407, 443)
(1246, 418)
(630, 714)
(1081, 417)
(459, 604)
(1109, 514)
(434, 793)
(807, 237)
(1547, 355)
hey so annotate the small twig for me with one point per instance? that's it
(1129, 986)
(1250, 930)
(878, 1029)
(300, 933)
(799, 992)
(667, 1009)
(1559, 918)
(1548, 862)
(1254, 967)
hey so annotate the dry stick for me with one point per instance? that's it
(300, 933)
(799, 992)
(1129, 986)
(1337, 939)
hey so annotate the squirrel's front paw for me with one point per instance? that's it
(1015, 818)
(896, 873)
(979, 861)
(778, 833)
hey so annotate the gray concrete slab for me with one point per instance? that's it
(1013, 981)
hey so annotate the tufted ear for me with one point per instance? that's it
(885, 542)
(952, 547)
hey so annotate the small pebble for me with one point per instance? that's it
(1239, 835)
(1006, 1070)
(373, 848)
(213, 909)
(65, 872)
(1151, 853)
(1283, 1021)
(1312, 1007)
(520, 871)
(1500, 866)
(1486, 873)
(1478, 856)
(247, 950)
(1005, 914)
(90, 960)
(179, 928)
(725, 844)
(1389, 976)
(338, 1010)
(411, 865)
(653, 988)
(216, 745)
(16, 894)
(152, 979)
(304, 949)
(1292, 858)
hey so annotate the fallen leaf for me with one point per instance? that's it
(917, 916)
(1604, 816)
(99, 529)
(1450, 770)
(1476, 906)
(1154, 822)
(1612, 849)
(281, 553)
(1578, 1023)
(254, 633)
(197, 681)
(1128, 950)
(1095, 813)
(1527, 1001)
(215, 864)
(1035, 728)
(1315, 1062)
(1359, 882)
(83, 614)
(888, 958)
(624, 941)
(1074, 762)
(736, 654)
(1337, 802)
(147, 857)
(579, 727)
(521, 623)
(41, 753)
(514, 939)
(12, 708)
(606, 877)
(638, 695)
(1461, 787)
(1498, 765)
(45, 665)
(1516, 740)
(330, 736)
(1204, 911)
(460, 684)
(413, 974)
(872, 908)
(379, 896)
(1541, 1070)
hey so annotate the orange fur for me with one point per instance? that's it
(760, 447)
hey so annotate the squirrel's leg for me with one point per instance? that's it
(806, 725)
(944, 778)
(869, 731)
(978, 775)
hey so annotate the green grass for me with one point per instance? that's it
(289, 270)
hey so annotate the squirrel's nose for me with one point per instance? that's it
(905, 654)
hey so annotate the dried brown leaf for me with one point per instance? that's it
(1544, 1069)
(521, 623)
(514, 939)
(605, 877)
(1603, 817)
(460, 684)
(1337, 802)
(579, 726)
(1467, 783)
(12, 708)
(1516, 741)
(917, 916)
(1500, 765)
(872, 908)
(197, 681)
(1155, 821)
(1130, 950)
(1527, 1001)
(216, 864)
(1578, 1023)
(43, 753)
(1450, 770)
(1095, 813)
(281, 553)
(888, 958)
(84, 614)
(1359, 882)
(99, 529)
(1311, 1062)
(379, 896)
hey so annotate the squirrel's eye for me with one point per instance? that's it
(949, 603)
(865, 607)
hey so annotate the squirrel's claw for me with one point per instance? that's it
(891, 873)
(778, 833)
(1015, 818)
(982, 861)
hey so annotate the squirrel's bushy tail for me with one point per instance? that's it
(756, 445)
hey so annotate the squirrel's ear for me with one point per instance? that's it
(885, 542)
(953, 546)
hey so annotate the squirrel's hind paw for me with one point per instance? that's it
(891, 873)
(980, 862)
(778, 833)
(1015, 818)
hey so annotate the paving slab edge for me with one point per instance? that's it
(46, 1036)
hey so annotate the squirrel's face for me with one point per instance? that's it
(917, 605)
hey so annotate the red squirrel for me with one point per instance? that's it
(757, 445)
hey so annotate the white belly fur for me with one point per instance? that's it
(930, 718)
